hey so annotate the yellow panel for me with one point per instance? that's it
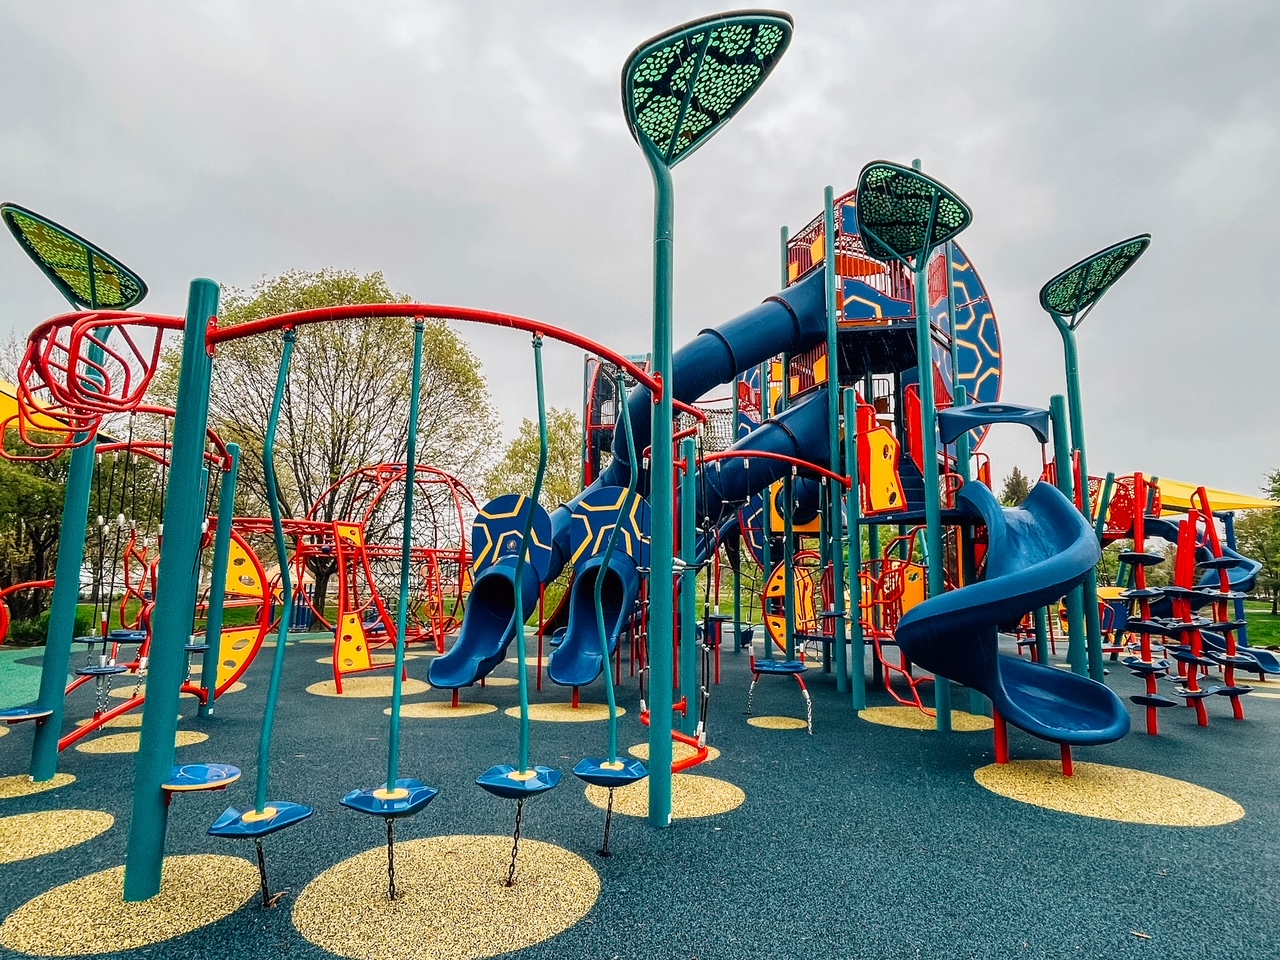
(913, 589)
(884, 490)
(243, 579)
(352, 651)
(236, 646)
(775, 518)
(818, 247)
(820, 369)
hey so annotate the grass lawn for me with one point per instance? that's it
(1264, 629)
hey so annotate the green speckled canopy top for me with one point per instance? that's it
(1071, 294)
(680, 87)
(903, 214)
(88, 276)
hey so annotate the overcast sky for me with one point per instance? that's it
(476, 153)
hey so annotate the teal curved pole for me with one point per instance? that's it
(599, 586)
(406, 544)
(286, 581)
(517, 617)
(218, 579)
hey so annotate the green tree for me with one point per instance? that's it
(30, 516)
(347, 402)
(518, 468)
(1258, 537)
(1016, 488)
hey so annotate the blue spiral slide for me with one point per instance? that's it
(1036, 553)
(789, 322)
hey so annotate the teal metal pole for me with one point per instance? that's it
(835, 526)
(1076, 655)
(517, 617)
(766, 518)
(286, 580)
(742, 552)
(62, 608)
(624, 420)
(688, 585)
(1042, 634)
(175, 602)
(929, 456)
(406, 546)
(662, 512)
(858, 652)
(218, 579)
(1089, 589)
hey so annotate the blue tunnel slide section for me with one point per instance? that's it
(1036, 553)
(789, 322)
(799, 432)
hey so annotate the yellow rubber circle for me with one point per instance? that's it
(23, 786)
(565, 713)
(501, 682)
(692, 796)
(909, 718)
(778, 723)
(29, 835)
(1110, 793)
(129, 742)
(367, 687)
(89, 915)
(443, 710)
(451, 901)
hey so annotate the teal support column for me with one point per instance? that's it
(1076, 655)
(742, 553)
(853, 501)
(835, 525)
(1075, 407)
(766, 517)
(929, 440)
(662, 510)
(688, 585)
(175, 602)
(406, 546)
(218, 578)
(1089, 589)
(1042, 634)
(62, 606)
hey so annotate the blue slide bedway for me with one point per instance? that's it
(1036, 553)
(789, 322)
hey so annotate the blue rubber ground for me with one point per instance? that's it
(860, 841)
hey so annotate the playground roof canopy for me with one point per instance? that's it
(1175, 497)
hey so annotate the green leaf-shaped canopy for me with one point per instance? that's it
(1072, 293)
(88, 276)
(680, 87)
(903, 214)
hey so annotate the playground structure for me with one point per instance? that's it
(859, 396)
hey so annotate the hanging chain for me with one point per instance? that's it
(391, 858)
(608, 822)
(262, 874)
(515, 844)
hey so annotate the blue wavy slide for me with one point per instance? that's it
(789, 322)
(1036, 553)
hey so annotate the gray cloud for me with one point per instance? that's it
(476, 153)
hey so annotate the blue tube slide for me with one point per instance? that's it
(1036, 553)
(789, 322)
(800, 432)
